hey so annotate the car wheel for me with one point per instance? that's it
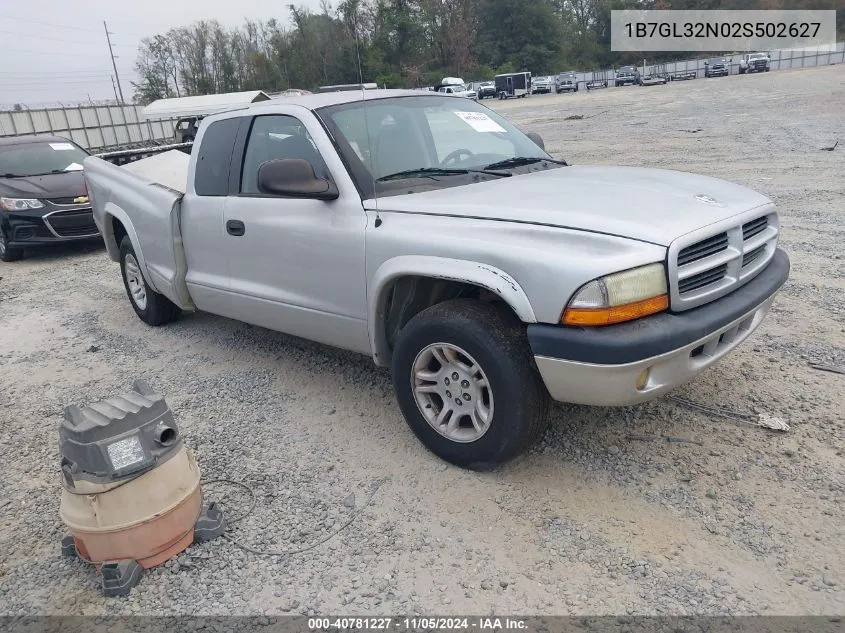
(467, 383)
(151, 307)
(8, 253)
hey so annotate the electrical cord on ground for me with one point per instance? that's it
(290, 552)
(243, 486)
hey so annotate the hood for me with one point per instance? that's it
(650, 205)
(66, 185)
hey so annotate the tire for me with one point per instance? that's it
(151, 307)
(8, 253)
(492, 339)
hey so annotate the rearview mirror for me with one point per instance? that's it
(538, 140)
(294, 177)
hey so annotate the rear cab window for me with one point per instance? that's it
(211, 176)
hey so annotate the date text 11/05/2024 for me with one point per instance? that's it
(414, 624)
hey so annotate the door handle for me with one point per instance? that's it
(235, 227)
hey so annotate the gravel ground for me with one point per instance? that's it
(741, 521)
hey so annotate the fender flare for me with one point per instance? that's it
(489, 277)
(110, 211)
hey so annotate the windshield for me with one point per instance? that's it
(626, 69)
(384, 137)
(32, 159)
(717, 60)
(758, 56)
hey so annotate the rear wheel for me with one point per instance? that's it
(467, 383)
(151, 307)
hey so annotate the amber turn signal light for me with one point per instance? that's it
(615, 314)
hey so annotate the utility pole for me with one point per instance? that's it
(111, 52)
(114, 89)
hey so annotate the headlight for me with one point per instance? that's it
(19, 204)
(619, 297)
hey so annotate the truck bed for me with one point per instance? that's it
(145, 198)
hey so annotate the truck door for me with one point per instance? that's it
(296, 264)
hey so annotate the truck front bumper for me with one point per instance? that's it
(640, 360)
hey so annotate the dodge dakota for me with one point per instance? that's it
(429, 233)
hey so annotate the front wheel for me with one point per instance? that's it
(8, 253)
(467, 383)
(151, 307)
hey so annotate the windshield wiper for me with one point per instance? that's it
(49, 173)
(519, 161)
(13, 176)
(430, 172)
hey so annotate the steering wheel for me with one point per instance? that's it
(456, 157)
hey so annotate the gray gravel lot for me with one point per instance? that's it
(589, 522)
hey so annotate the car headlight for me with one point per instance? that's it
(623, 296)
(20, 204)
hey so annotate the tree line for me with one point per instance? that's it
(400, 43)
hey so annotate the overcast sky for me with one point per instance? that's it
(55, 51)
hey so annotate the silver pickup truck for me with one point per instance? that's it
(428, 232)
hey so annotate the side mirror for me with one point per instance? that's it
(294, 177)
(538, 140)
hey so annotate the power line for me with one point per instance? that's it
(57, 82)
(54, 73)
(58, 26)
(65, 26)
(60, 39)
(32, 52)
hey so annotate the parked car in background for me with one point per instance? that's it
(186, 128)
(455, 262)
(294, 92)
(541, 84)
(459, 90)
(486, 89)
(627, 76)
(43, 199)
(754, 63)
(566, 82)
(716, 67)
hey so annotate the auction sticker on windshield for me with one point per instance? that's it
(61, 146)
(479, 122)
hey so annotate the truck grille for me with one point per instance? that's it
(703, 249)
(701, 280)
(705, 265)
(755, 227)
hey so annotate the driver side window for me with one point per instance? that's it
(277, 136)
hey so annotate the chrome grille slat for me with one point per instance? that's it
(701, 265)
(703, 249)
(750, 256)
(750, 229)
(703, 279)
(714, 261)
(758, 239)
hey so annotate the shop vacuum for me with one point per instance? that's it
(131, 495)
